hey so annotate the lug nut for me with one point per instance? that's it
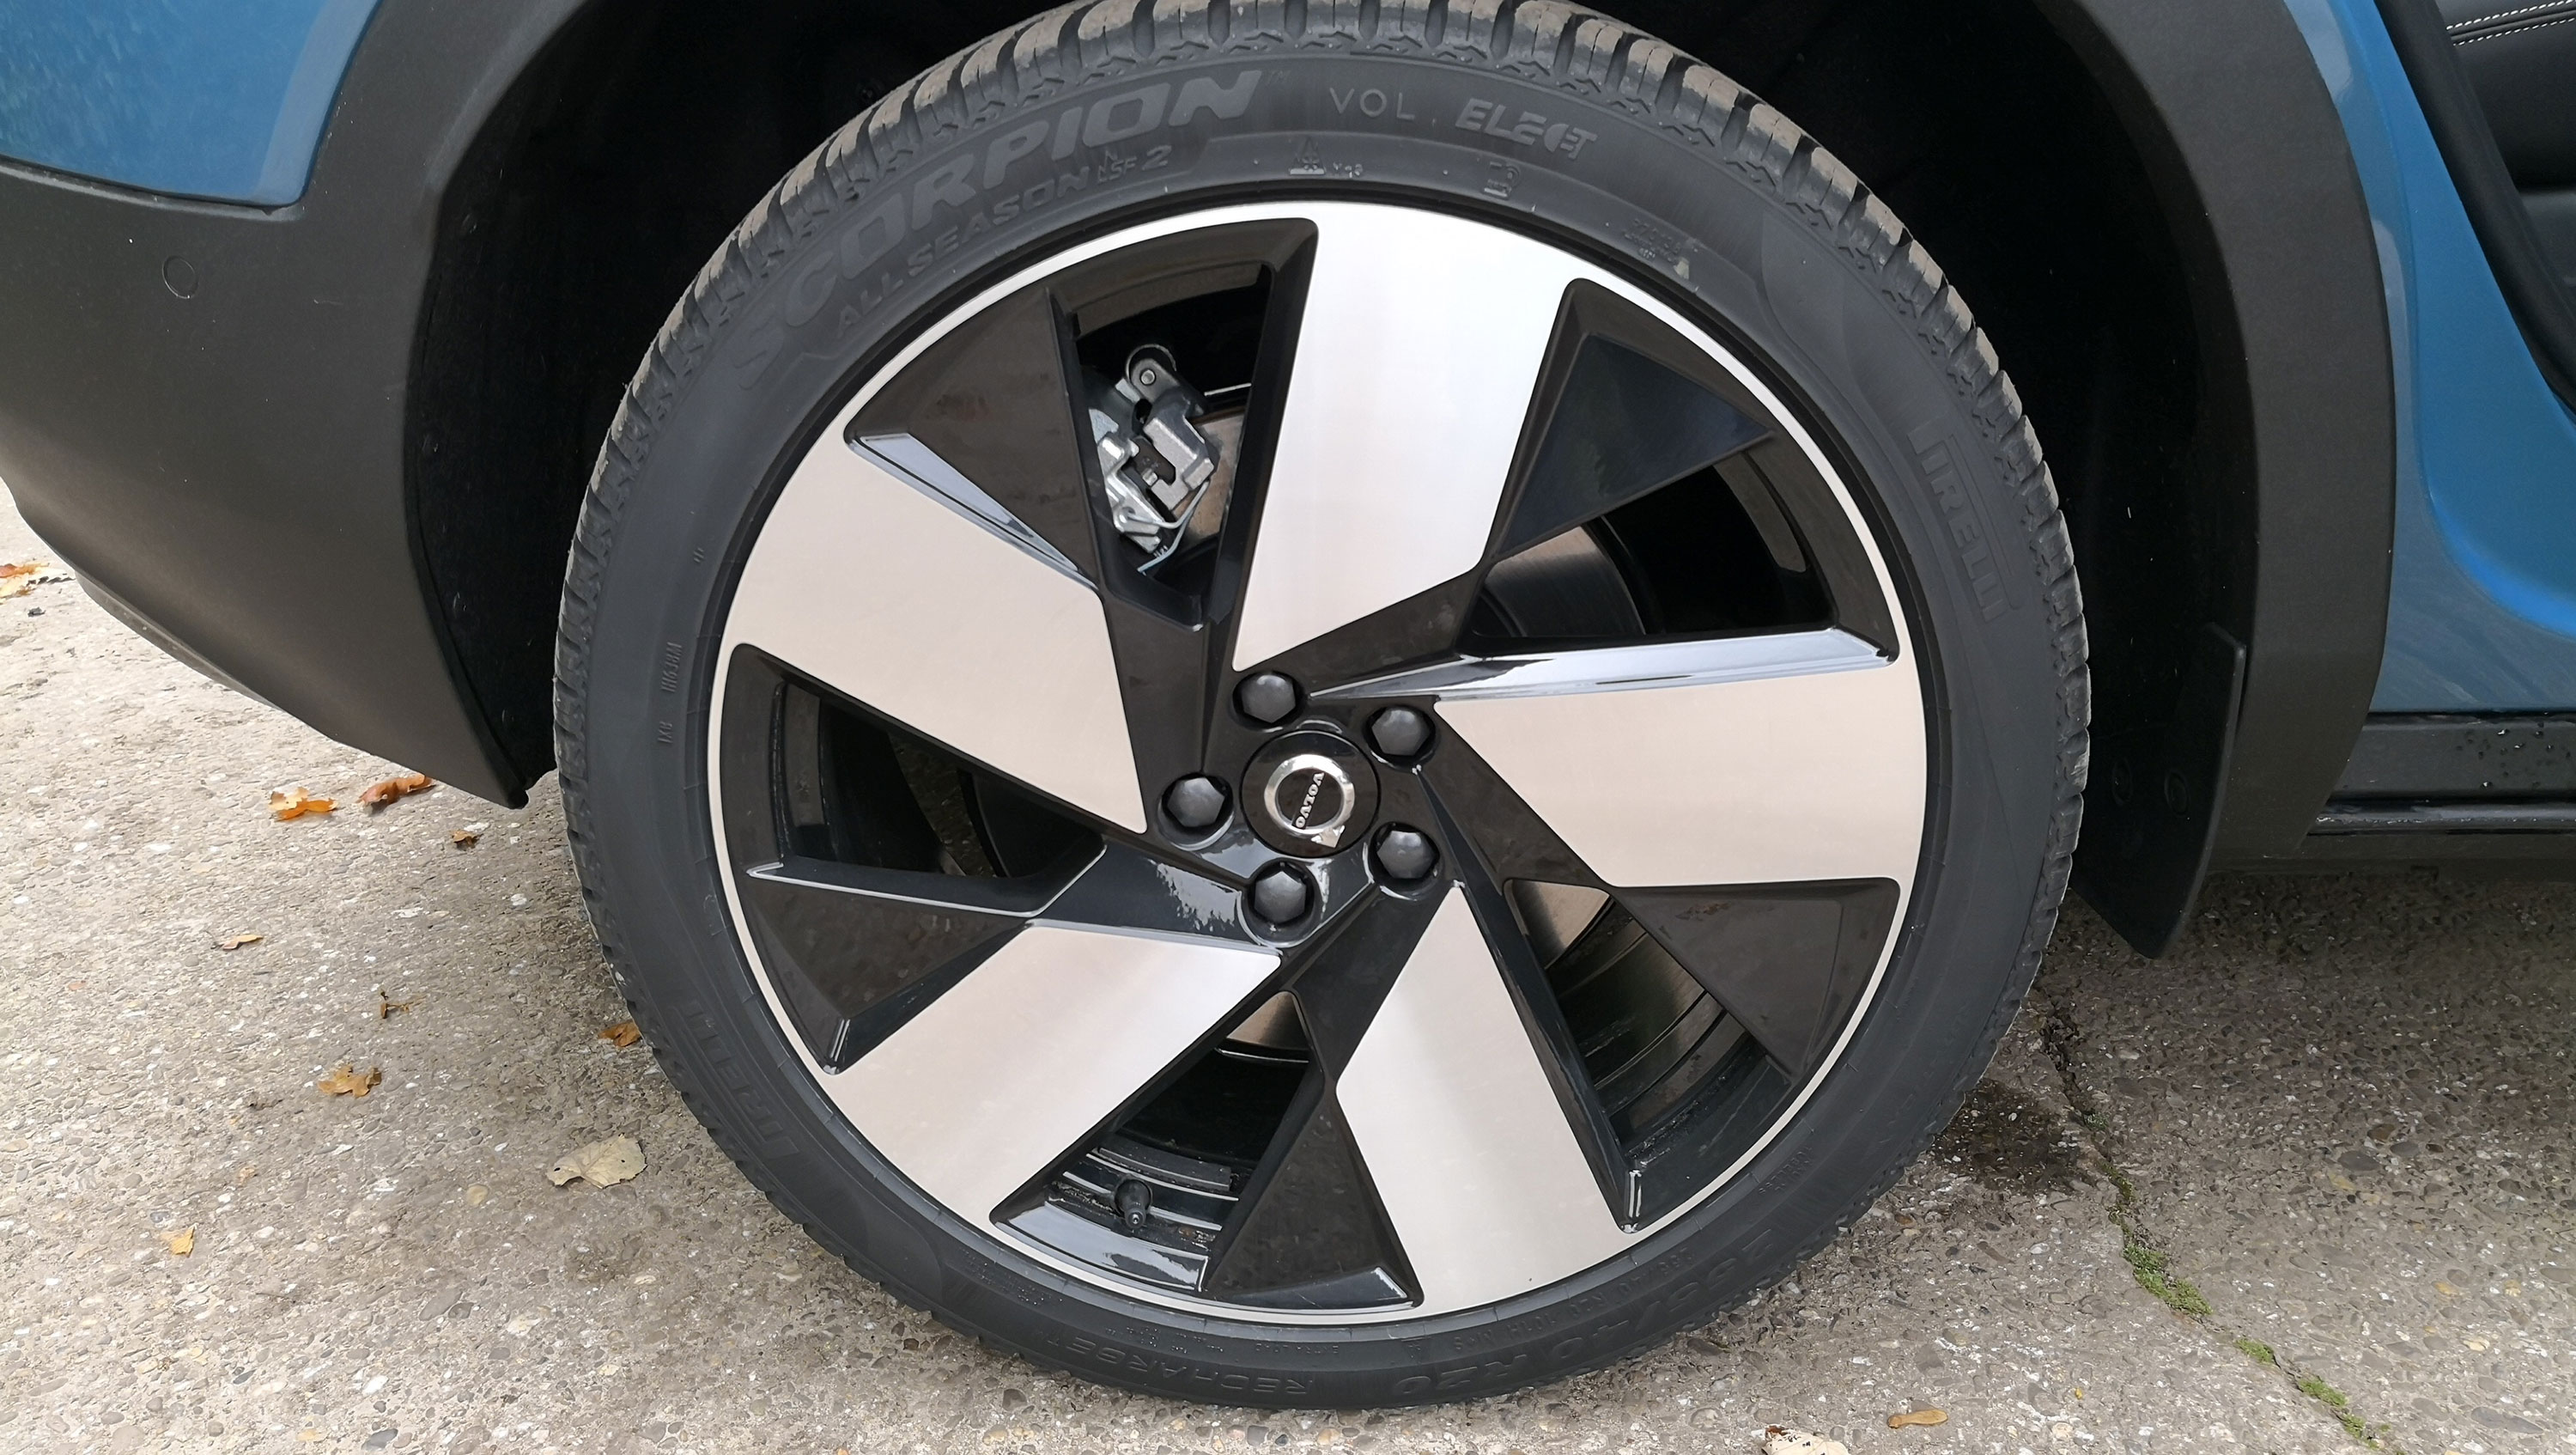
(1400, 732)
(1266, 697)
(1195, 802)
(1280, 894)
(1405, 853)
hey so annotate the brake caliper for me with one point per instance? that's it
(1154, 462)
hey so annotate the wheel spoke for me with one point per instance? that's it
(1472, 1155)
(1789, 961)
(989, 406)
(1310, 1232)
(1497, 825)
(856, 952)
(1745, 760)
(930, 614)
(1401, 422)
(1036, 1050)
(1630, 407)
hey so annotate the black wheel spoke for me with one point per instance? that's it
(1310, 1232)
(1625, 407)
(992, 401)
(1559, 1054)
(1788, 960)
(855, 952)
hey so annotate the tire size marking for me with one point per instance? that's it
(1170, 1373)
(1529, 129)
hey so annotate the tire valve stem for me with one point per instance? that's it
(1135, 1202)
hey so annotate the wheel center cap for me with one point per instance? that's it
(1310, 793)
(1312, 798)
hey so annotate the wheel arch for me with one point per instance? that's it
(2178, 267)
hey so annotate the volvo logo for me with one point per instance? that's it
(1310, 793)
(1312, 798)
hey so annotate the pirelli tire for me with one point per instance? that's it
(1688, 203)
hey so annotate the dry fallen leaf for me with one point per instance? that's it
(17, 577)
(462, 838)
(622, 1035)
(401, 785)
(182, 1243)
(1781, 1440)
(235, 942)
(287, 803)
(1918, 1417)
(348, 1081)
(601, 1164)
(387, 1007)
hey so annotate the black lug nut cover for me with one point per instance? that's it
(1280, 895)
(1405, 853)
(1266, 697)
(1195, 802)
(1400, 732)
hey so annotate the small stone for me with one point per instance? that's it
(601, 1164)
(1780, 1441)
(2359, 1161)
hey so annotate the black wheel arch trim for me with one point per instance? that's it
(2251, 163)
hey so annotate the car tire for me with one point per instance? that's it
(1577, 405)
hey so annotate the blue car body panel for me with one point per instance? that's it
(2482, 591)
(216, 99)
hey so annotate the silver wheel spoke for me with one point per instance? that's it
(931, 614)
(1740, 761)
(992, 1084)
(1402, 415)
(1468, 1144)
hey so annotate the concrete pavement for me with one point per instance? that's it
(2340, 1120)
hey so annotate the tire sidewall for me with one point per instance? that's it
(835, 274)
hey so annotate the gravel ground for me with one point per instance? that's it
(2339, 1121)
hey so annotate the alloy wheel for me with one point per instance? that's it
(1281, 791)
